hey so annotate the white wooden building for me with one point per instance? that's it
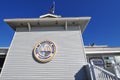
(51, 48)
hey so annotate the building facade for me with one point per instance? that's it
(51, 48)
(34, 43)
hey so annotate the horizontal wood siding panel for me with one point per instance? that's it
(68, 62)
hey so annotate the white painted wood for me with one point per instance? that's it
(66, 65)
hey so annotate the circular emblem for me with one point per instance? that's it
(44, 51)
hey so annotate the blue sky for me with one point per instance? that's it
(103, 29)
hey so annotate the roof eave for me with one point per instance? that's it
(82, 21)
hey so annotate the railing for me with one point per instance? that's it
(98, 73)
(118, 70)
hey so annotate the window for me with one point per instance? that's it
(109, 61)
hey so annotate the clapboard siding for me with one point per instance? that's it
(66, 65)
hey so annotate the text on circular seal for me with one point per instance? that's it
(45, 50)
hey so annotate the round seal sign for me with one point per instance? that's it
(44, 51)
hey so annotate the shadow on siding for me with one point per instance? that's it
(81, 74)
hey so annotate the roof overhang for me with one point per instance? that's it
(50, 16)
(102, 50)
(3, 51)
(71, 21)
(1, 48)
